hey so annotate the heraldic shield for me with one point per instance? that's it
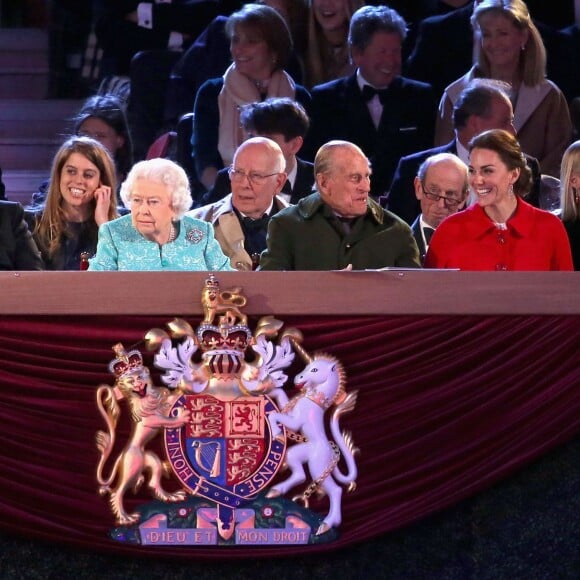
(228, 430)
(225, 453)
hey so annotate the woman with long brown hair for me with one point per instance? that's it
(81, 196)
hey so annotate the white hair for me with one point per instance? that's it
(162, 171)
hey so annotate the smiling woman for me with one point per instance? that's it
(157, 235)
(261, 46)
(326, 56)
(502, 231)
(81, 196)
(510, 49)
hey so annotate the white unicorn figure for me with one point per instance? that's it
(322, 385)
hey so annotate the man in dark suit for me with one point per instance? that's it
(2, 188)
(564, 72)
(385, 114)
(17, 248)
(443, 50)
(127, 26)
(482, 105)
(441, 187)
(284, 121)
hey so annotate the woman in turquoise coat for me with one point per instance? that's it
(157, 235)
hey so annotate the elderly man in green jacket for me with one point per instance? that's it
(339, 226)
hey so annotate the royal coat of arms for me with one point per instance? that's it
(225, 430)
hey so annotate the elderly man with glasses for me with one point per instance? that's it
(241, 218)
(441, 187)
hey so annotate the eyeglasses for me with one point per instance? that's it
(253, 177)
(450, 202)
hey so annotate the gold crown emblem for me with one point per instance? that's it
(125, 362)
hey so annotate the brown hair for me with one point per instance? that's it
(510, 153)
(52, 224)
(269, 25)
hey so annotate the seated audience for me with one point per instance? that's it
(442, 51)
(284, 121)
(385, 114)
(156, 235)
(80, 197)
(567, 52)
(241, 218)
(17, 248)
(339, 226)
(159, 100)
(501, 232)
(102, 118)
(482, 105)
(260, 45)
(570, 198)
(441, 187)
(127, 26)
(326, 55)
(512, 51)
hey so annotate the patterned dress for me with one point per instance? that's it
(122, 247)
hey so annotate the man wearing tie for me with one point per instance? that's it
(284, 121)
(385, 114)
(441, 187)
(484, 104)
(240, 219)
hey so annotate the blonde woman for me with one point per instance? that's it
(570, 198)
(511, 50)
(327, 56)
(81, 196)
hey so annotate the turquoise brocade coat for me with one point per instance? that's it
(122, 247)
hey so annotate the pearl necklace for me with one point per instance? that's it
(172, 234)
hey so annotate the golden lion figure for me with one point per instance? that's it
(227, 302)
(150, 407)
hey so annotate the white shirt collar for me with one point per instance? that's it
(423, 224)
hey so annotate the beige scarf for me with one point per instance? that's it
(239, 90)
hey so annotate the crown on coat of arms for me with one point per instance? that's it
(125, 362)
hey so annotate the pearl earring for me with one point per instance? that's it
(511, 190)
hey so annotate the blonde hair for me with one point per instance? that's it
(52, 224)
(570, 165)
(320, 61)
(533, 55)
(162, 171)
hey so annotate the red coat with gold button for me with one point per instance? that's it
(533, 240)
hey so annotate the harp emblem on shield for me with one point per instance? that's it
(208, 457)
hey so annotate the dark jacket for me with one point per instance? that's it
(308, 236)
(443, 49)
(418, 235)
(401, 199)
(407, 123)
(17, 248)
